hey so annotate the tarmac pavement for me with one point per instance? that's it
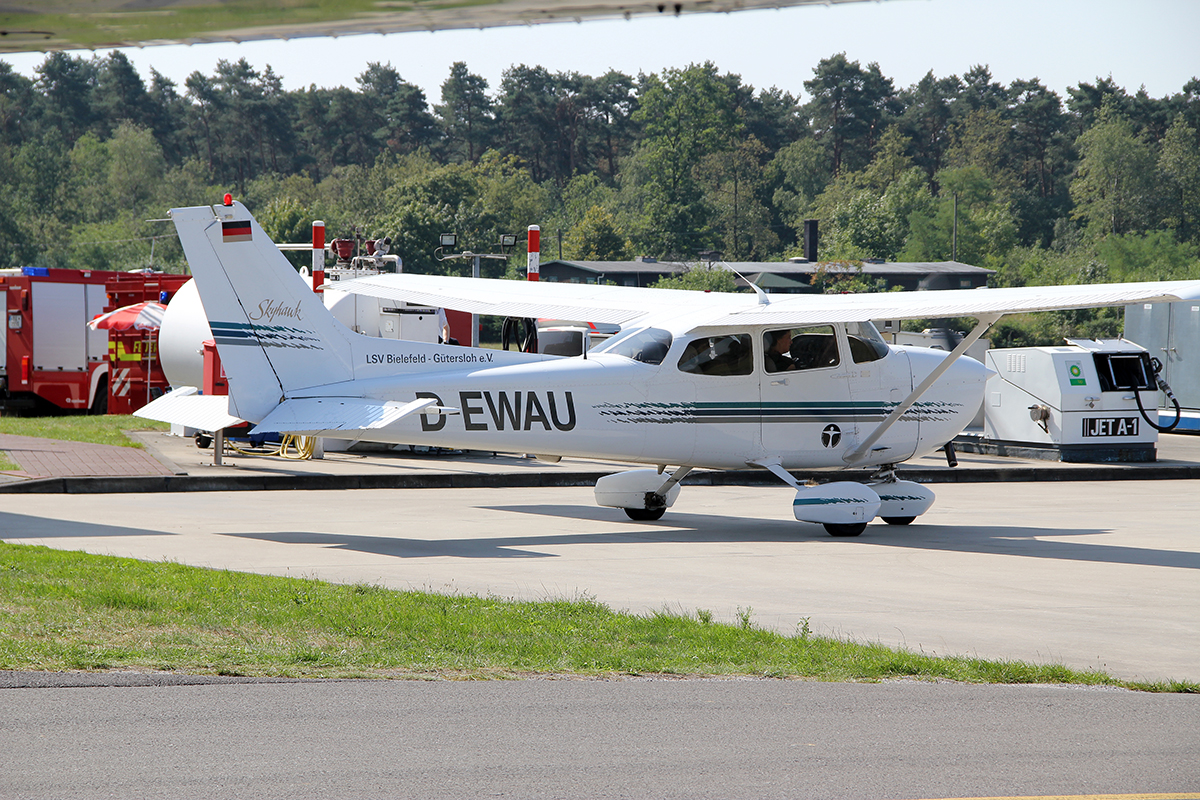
(175, 464)
(1060, 569)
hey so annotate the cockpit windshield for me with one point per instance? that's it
(647, 345)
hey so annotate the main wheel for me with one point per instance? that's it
(645, 514)
(845, 529)
(898, 520)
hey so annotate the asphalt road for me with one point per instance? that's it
(601, 739)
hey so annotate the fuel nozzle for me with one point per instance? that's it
(1163, 386)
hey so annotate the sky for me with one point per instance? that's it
(1150, 43)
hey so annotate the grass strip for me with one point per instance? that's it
(102, 429)
(63, 610)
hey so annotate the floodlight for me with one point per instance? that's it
(448, 240)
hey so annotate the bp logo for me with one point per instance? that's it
(1075, 370)
(831, 436)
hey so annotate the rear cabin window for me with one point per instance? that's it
(718, 355)
(811, 347)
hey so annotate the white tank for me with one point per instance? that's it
(181, 338)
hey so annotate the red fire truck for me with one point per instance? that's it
(50, 360)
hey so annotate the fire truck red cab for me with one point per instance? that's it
(49, 358)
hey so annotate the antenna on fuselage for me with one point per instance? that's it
(763, 297)
(714, 257)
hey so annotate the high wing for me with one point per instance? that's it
(92, 24)
(619, 305)
(622, 305)
(813, 309)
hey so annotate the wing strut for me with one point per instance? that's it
(858, 453)
(776, 467)
(676, 476)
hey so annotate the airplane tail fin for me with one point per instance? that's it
(273, 333)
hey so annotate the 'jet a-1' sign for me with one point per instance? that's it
(718, 380)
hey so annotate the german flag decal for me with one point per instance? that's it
(236, 231)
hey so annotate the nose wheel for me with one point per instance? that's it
(845, 529)
(645, 514)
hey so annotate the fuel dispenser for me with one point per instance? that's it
(1082, 402)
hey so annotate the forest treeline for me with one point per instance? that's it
(1103, 184)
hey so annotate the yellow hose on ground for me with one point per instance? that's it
(297, 448)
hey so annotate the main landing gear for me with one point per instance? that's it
(645, 514)
(854, 529)
(644, 494)
(843, 507)
(846, 529)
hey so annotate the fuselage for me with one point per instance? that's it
(692, 399)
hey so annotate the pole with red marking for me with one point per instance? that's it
(535, 253)
(318, 255)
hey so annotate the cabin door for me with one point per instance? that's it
(804, 397)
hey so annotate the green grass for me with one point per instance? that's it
(104, 429)
(62, 610)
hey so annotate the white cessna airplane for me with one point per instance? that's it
(694, 379)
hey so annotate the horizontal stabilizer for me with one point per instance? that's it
(186, 406)
(316, 414)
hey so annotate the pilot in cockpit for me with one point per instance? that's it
(778, 355)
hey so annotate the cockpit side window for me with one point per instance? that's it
(649, 345)
(718, 355)
(865, 342)
(811, 347)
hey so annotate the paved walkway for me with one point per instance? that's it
(173, 463)
(51, 458)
